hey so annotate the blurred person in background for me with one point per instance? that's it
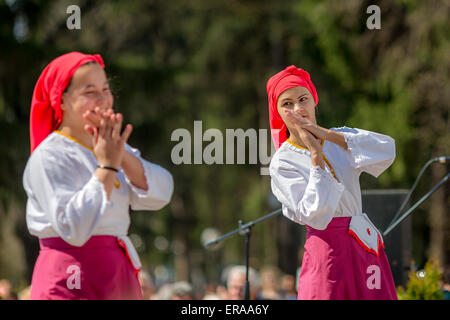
(210, 291)
(270, 284)
(222, 292)
(182, 290)
(288, 287)
(165, 292)
(214, 291)
(236, 281)
(6, 291)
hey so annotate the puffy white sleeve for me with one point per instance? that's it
(368, 151)
(160, 186)
(306, 200)
(72, 207)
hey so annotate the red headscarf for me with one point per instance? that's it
(46, 114)
(282, 81)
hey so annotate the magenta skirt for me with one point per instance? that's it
(98, 270)
(336, 266)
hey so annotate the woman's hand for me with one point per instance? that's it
(131, 165)
(311, 142)
(314, 146)
(316, 130)
(306, 124)
(108, 142)
(94, 117)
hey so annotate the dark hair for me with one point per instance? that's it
(70, 82)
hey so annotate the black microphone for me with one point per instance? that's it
(441, 159)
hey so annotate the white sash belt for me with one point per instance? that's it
(130, 251)
(366, 233)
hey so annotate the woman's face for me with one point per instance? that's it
(89, 88)
(298, 100)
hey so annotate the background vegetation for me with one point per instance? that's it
(174, 62)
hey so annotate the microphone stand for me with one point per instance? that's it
(442, 159)
(245, 230)
(407, 213)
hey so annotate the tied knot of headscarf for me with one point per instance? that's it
(276, 85)
(46, 114)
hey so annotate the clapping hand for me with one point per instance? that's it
(304, 123)
(305, 130)
(107, 139)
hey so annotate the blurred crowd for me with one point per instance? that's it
(268, 284)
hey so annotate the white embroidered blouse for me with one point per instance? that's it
(313, 196)
(65, 198)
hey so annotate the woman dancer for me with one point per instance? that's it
(315, 175)
(81, 179)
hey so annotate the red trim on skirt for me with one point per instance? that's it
(336, 267)
(98, 270)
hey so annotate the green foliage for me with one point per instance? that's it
(424, 284)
